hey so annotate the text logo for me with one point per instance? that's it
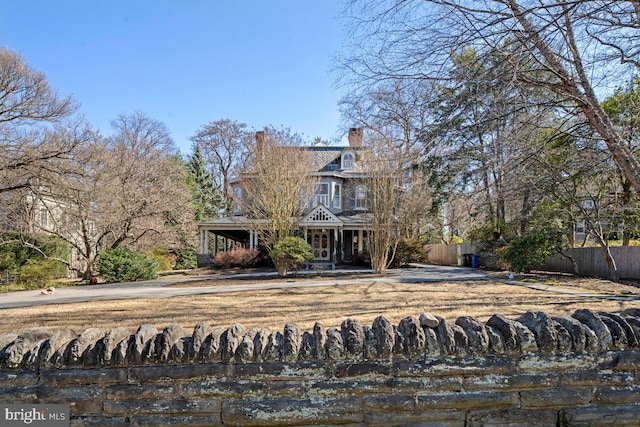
(34, 415)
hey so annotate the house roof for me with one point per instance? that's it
(324, 158)
(328, 159)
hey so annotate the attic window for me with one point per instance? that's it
(348, 160)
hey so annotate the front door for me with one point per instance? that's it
(321, 245)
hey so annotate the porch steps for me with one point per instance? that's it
(204, 260)
(321, 266)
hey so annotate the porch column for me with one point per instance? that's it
(256, 239)
(215, 244)
(206, 242)
(335, 245)
(200, 242)
(360, 243)
(251, 239)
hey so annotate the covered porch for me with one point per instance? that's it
(333, 239)
(225, 234)
(323, 231)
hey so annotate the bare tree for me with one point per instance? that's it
(414, 210)
(151, 196)
(568, 47)
(127, 190)
(223, 143)
(274, 185)
(25, 93)
(402, 112)
(386, 166)
(29, 110)
(403, 107)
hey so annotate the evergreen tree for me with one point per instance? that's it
(624, 109)
(207, 197)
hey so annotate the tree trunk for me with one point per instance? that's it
(574, 264)
(611, 263)
(582, 93)
(626, 201)
(526, 209)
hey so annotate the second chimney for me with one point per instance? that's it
(355, 137)
(260, 141)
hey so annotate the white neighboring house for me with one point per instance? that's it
(49, 216)
(336, 223)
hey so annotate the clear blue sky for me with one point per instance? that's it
(186, 62)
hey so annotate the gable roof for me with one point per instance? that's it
(320, 216)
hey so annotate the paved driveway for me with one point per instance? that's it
(160, 289)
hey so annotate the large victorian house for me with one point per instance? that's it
(334, 225)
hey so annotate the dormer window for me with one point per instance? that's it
(348, 160)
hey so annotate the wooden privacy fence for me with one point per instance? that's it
(591, 261)
(449, 254)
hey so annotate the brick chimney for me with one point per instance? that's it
(260, 141)
(355, 137)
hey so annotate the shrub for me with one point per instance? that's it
(490, 243)
(289, 253)
(21, 249)
(363, 258)
(186, 259)
(14, 255)
(166, 260)
(39, 273)
(410, 250)
(123, 265)
(531, 249)
(31, 263)
(238, 257)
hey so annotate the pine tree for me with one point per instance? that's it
(207, 197)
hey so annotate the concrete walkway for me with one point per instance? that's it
(160, 288)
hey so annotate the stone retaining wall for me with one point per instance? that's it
(537, 370)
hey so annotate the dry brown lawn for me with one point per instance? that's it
(328, 305)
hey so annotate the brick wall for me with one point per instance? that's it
(536, 370)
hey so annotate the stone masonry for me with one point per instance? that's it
(537, 370)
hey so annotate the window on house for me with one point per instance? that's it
(337, 196)
(321, 194)
(44, 217)
(361, 197)
(348, 161)
(580, 227)
(588, 204)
